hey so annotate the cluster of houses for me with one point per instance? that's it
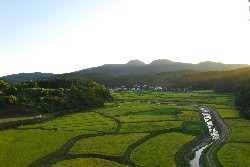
(152, 88)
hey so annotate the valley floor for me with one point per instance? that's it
(137, 129)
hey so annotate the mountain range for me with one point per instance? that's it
(135, 68)
(157, 66)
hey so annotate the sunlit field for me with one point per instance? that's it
(160, 150)
(137, 128)
(87, 162)
(235, 154)
(237, 151)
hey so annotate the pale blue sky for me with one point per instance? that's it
(67, 35)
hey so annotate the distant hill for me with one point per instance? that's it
(161, 62)
(135, 63)
(158, 71)
(16, 78)
(221, 81)
(163, 65)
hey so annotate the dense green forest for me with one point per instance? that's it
(243, 100)
(221, 81)
(21, 77)
(55, 95)
(67, 91)
(233, 81)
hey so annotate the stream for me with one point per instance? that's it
(213, 133)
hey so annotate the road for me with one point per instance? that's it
(224, 134)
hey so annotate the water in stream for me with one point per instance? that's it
(195, 162)
(212, 131)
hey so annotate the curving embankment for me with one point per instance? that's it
(209, 157)
(210, 154)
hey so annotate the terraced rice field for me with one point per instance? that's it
(228, 113)
(90, 121)
(88, 162)
(160, 150)
(235, 154)
(131, 127)
(137, 129)
(237, 151)
(107, 144)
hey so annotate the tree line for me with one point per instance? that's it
(233, 81)
(54, 95)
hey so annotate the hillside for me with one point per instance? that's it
(25, 77)
(160, 71)
(157, 66)
(215, 80)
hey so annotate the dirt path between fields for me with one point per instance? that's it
(15, 119)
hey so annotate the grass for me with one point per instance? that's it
(235, 154)
(146, 118)
(188, 116)
(78, 122)
(141, 114)
(128, 107)
(218, 106)
(160, 111)
(149, 126)
(195, 128)
(106, 145)
(31, 140)
(160, 150)
(240, 130)
(228, 113)
(87, 162)
(22, 147)
(204, 91)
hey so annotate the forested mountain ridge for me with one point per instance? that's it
(54, 95)
(157, 66)
(232, 81)
(221, 81)
(25, 77)
(133, 67)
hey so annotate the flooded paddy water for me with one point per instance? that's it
(214, 134)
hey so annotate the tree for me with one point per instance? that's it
(243, 101)
(12, 99)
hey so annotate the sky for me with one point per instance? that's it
(61, 36)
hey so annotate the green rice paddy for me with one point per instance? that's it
(160, 150)
(107, 145)
(138, 128)
(87, 162)
(235, 154)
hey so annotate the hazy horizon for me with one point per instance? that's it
(63, 36)
(115, 64)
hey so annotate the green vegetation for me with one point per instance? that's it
(58, 95)
(148, 126)
(240, 130)
(137, 128)
(196, 128)
(188, 116)
(228, 113)
(124, 108)
(85, 122)
(22, 147)
(236, 151)
(87, 162)
(160, 150)
(243, 100)
(235, 154)
(107, 145)
(145, 118)
(160, 111)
